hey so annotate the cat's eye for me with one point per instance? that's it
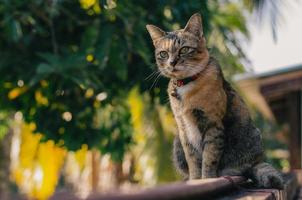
(184, 50)
(164, 54)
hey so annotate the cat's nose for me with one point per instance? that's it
(173, 62)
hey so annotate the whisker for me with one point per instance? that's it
(153, 74)
(167, 100)
(150, 75)
(155, 81)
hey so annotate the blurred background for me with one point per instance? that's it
(82, 109)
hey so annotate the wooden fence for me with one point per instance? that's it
(222, 188)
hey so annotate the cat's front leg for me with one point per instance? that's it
(212, 142)
(192, 155)
(192, 144)
(213, 146)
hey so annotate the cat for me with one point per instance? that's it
(216, 136)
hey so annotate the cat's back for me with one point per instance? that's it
(243, 140)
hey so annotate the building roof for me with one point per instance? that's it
(280, 71)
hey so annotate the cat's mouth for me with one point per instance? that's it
(177, 73)
(177, 69)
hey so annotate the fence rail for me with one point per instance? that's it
(222, 188)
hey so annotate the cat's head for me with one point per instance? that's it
(182, 53)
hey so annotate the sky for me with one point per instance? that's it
(267, 54)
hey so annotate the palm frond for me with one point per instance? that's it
(267, 10)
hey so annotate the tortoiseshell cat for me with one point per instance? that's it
(216, 136)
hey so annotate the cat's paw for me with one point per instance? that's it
(209, 175)
(271, 181)
(194, 175)
(265, 176)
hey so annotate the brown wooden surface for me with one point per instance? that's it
(202, 189)
(288, 193)
(285, 88)
(218, 188)
(252, 195)
(287, 112)
(293, 105)
(279, 85)
(95, 162)
(281, 88)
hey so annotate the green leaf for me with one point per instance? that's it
(44, 68)
(118, 60)
(90, 36)
(103, 45)
(14, 30)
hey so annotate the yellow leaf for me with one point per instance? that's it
(40, 98)
(14, 93)
(44, 83)
(96, 9)
(80, 156)
(136, 105)
(86, 4)
(89, 93)
(89, 57)
(38, 169)
(32, 126)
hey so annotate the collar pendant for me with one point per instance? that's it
(180, 83)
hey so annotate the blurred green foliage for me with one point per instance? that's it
(4, 124)
(269, 130)
(68, 66)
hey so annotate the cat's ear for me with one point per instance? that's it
(155, 32)
(194, 25)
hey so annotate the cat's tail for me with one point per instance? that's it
(265, 176)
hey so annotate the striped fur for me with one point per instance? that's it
(216, 136)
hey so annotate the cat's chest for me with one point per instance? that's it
(184, 90)
(180, 98)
